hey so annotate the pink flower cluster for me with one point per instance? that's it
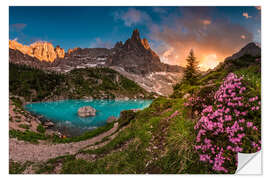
(192, 101)
(224, 125)
(196, 104)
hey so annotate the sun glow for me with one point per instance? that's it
(209, 62)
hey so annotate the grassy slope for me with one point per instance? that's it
(138, 143)
(37, 85)
(154, 141)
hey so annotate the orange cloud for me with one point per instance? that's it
(258, 7)
(206, 22)
(246, 15)
(213, 44)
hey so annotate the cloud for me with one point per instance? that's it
(258, 8)
(177, 34)
(206, 22)
(246, 15)
(17, 27)
(132, 16)
(101, 44)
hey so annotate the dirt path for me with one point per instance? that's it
(21, 151)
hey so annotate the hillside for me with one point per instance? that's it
(88, 83)
(167, 137)
(161, 138)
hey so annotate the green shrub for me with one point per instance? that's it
(27, 135)
(126, 117)
(24, 126)
(41, 129)
(160, 104)
(18, 168)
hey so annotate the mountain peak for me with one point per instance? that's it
(119, 44)
(251, 49)
(136, 35)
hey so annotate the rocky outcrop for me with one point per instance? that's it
(17, 57)
(43, 51)
(60, 52)
(111, 119)
(136, 56)
(72, 50)
(86, 111)
(250, 49)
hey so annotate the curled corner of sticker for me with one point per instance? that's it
(249, 163)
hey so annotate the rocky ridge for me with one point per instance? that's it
(251, 49)
(43, 51)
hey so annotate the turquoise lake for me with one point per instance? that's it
(64, 113)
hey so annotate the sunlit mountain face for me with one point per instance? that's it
(212, 32)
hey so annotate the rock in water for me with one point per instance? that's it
(86, 111)
(111, 119)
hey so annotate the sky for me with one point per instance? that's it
(212, 32)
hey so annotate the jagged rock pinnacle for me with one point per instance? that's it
(136, 35)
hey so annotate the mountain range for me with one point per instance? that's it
(133, 59)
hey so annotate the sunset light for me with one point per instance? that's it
(209, 62)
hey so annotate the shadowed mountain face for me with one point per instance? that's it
(250, 49)
(136, 56)
(17, 57)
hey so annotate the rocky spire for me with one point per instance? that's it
(136, 35)
(119, 44)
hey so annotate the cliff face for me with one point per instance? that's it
(136, 56)
(43, 51)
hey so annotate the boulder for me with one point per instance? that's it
(111, 119)
(48, 124)
(86, 111)
(186, 96)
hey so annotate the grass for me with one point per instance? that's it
(252, 78)
(41, 129)
(24, 126)
(132, 150)
(50, 165)
(27, 135)
(136, 138)
(34, 137)
(18, 168)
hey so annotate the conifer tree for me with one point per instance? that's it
(191, 71)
